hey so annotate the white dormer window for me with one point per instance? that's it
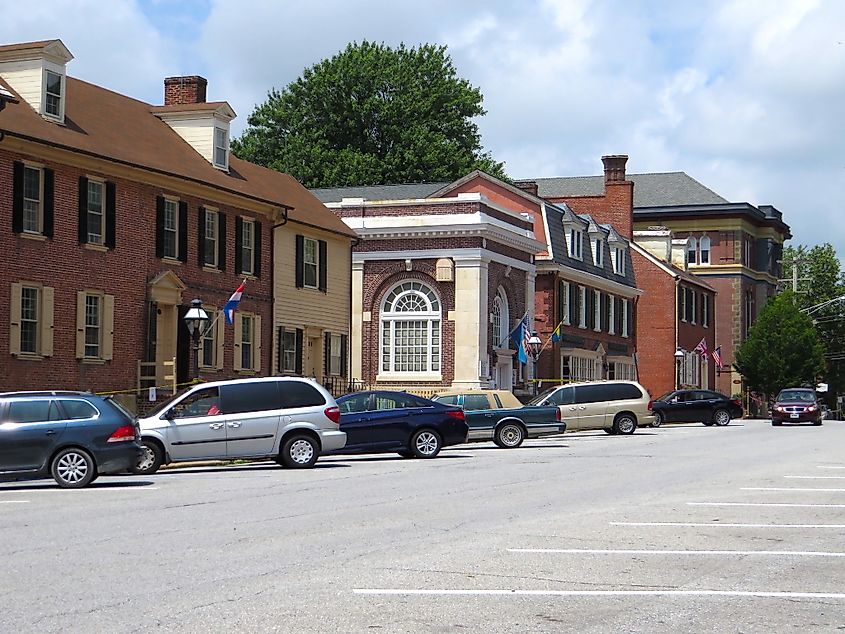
(704, 246)
(575, 243)
(52, 94)
(618, 257)
(221, 148)
(598, 255)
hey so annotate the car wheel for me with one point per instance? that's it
(817, 423)
(151, 460)
(775, 423)
(609, 430)
(625, 424)
(426, 443)
(509, 436)
(707, 423)
(406, 454)
(299, 452)
(73, 468)
(721, 417)
(658, 419)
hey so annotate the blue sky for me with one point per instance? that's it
(745, 96)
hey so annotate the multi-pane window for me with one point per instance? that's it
(210, 242)
(621, 371)
(221, 148)
(289, 351)
(30, 311)
(501, 320)
(93, 322)
(582, 307)
(96, 215)
(247, 340)
(564, 302)
(171, 229)
(247, 246)
(310, 263)
(208, 341)
(576, 243)
(704, 250)
(53, 94)
(335, 356)
(599, 252)
(597, 310)
(611, 315)
(618, 257)
(32, 200)
(410, 327)
(692, 251)
(577, 368)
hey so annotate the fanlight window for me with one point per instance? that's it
(410, 329)
(501, 320)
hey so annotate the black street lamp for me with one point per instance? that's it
(679, 356)
(536, 347)
(196, 320)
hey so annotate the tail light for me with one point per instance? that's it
(126, 433)
(737, 402)
(333, 414)
(650, 405)
(558, 417)
(457, 414)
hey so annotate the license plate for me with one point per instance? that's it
(793, 415)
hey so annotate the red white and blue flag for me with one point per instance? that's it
(717, 356)
(701, 348)
(232, 305)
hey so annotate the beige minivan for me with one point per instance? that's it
(617, 407)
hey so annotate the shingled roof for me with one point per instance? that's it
(105, 124)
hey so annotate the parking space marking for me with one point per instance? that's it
(789, 489)
(621, 551)
(781, 504)
(726, 525)
(797, 477)
(599, 593)
(821, 466)
(14, 501)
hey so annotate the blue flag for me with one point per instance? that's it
(518, 336)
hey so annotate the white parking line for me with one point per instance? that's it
(787, 489)
(14, 501)
(794, 477)
(596, 551)
(781, 504)
(600, 593)
(725, 525)
(822, 466)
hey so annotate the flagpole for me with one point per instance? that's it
(518, 324)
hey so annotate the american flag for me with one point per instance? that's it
(717, 356)
(701, 348)
(526, 335)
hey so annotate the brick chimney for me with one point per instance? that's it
(619, 195)
(530, 187)
(184, 90)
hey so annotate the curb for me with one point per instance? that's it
(198, 463)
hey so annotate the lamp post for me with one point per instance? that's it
(536, 346)
(679, 356)
(196, 320)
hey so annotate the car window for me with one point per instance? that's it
(31, 411)
(796, 395)
(393, 401)
(498, 401)
(300, 394)
(562, 396)
(476, 401)
(253, 396)
(447, 400)
(354, 404)
(593, 393)
(203, 402)
(76, 409)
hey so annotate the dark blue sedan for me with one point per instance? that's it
(414, 427)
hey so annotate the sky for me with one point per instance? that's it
(746, 97)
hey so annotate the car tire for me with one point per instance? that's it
(707, 423)
(776, 423)
(721, 417)
(817, 423)
(406, 454)
(609, 430)
(299, 452)
(625, 424)
(658, 419)
(509, 435)
(426, 443)
(73, 468)
(152, 459)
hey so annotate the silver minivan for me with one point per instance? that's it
(291, 420)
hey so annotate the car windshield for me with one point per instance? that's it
(539, 400)
(158, 409)
(797, 395)
(665, 397)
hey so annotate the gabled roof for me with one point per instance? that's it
(56, 48)
(105, 124)
(217, 107)
(650, 190)
(594, 227)
(614, 236)
(671, 269)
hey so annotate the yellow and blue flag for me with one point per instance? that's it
(556, 334)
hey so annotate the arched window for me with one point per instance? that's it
(501, 320)
(410, 329)
(704, 248)
(692, 246)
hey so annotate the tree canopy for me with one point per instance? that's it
(371, 115)
(782, 348)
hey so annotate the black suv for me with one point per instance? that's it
(73, 436)
(695, 406)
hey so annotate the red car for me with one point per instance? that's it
(796, 405)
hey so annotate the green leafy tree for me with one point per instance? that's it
(782, 348)
(371, 115)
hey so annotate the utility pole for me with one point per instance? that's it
(796, 262)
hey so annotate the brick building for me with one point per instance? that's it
(117, 213)
(734, 247)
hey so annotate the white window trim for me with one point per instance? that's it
(175, 202)
(618, 258)
(582, 307)
(315, 263)
(611, 314)
(212, 212)
(335, 355)
(292, 350)
(61, 115)
(500, 337)
(225, 147)
(692, 250)
(565, 316)
(210, 333)
(389, 319)
(102, 184)
(598, 256)
(702, 250)
(244, 222)
(597, 310)
(40, 213)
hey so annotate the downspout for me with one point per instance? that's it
(273, 343)
(676, 367)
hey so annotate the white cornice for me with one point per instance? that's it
(481, 255)
(588, 279)
(486, 230)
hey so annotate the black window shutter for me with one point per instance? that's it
(201, 236)
(603, 315)
(300, 260)
(298, 364)
(221, 241)
(256, 249)
(327, 353)
(159, 226)
(111, 215)
(573, 315)
(281, 350)
(618, 316)
(680, 292)
(322, 262)
(239, 233)
(183, 231)
(561, 302)
(83, 210)
(49, 214)
(630, 318)
(591, 313)
(343, 340)
(17, 197)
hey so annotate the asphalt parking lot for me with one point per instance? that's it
(682, 528)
